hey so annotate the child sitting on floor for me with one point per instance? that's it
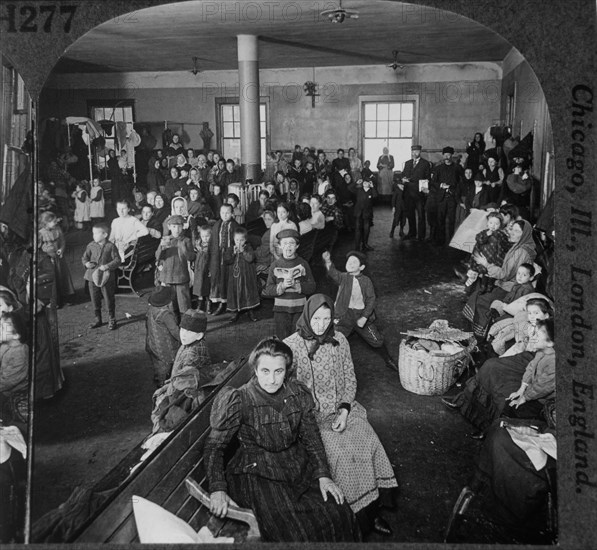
(243, 292)
(493, 243)
(355, 303)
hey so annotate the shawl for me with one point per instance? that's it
(526, 241)
(303, 325)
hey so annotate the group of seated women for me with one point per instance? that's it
(309, 464)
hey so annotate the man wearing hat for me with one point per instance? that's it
(415, 170)
(441, 203)
(289, 282)
(162, 339)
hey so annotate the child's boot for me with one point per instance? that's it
(98, 321)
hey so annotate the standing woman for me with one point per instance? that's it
(494, 175)
(279, 470)
(355, 165)
(474, 151)
(385, 165)
(522, 251)
(358, 461)
(155, 178)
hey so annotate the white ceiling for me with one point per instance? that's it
(291, 34)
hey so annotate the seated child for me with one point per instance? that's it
(539, 379)
(193, 351)
(289, 282)
(202, 279)
(523, 286)
(522, 328)
(100, 257)
(173, 255)
(193, 203)
(162, 339)
(492, 243)
(355, 303)
(216, 198)
(243, 292)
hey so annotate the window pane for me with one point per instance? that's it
(407, 111)
(382, 128)
(394, 111)
(237, 129)
(394, 128)
(406, 128)
(226, 113)
(382, 111)
(263, 153)
(262, 129)
(228, 128)
(232, 149)
(370, 111)
(236, 112)
(262, 114)
(370, 129)
(128, 114)
(400, 148)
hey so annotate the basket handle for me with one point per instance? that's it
(421, 365)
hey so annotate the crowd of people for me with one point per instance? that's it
(309, 464)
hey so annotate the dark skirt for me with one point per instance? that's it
(515, 493)
(477, 308)
(48, 374)
(484, 397)
(243, 292)
(284, 516)
(202, 279)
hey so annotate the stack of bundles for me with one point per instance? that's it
(431, 359)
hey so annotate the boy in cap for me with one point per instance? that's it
(173, 256)
(101, 258)
(289, 282)
(355, 303)
(193, 351)
(162, 339)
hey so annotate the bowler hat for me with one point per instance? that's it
(416, 147)
(448, 150)
(161, 296)
(194, 320)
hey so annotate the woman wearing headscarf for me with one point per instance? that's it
(360, 466)
(155, 179)
(279, 469)
(522, 251)
(179, 207)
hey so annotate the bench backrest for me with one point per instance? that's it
(161, 478)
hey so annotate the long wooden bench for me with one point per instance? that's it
(162, 479)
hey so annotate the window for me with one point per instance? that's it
(388, 124)
(510, 106)
(113, 111)
(230, 131)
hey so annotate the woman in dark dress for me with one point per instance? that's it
(280, 470)
(474, 151)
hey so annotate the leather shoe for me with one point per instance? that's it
(97, 324)
(219, 310)
(449, 403)
(367, 247)
(381, 526)
(478, 436)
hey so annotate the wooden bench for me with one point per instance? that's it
(172, 478)
(136, 257)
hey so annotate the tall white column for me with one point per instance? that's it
(248, 78)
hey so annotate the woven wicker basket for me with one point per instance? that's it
(424, 373)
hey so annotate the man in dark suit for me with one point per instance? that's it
(441, 203)
(415, 170)
(363, 212)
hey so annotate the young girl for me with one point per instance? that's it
(493, 243)
(202, 279)
(283, 222)
(82, 205)
(317, 217)
(523, 328)
(539, 379)
(237, 213)
(96, 208)
(216, 198)
(243, 293)
(53, 243)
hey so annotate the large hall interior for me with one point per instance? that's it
(276, 90)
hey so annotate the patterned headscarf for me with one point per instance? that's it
(303, 325)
